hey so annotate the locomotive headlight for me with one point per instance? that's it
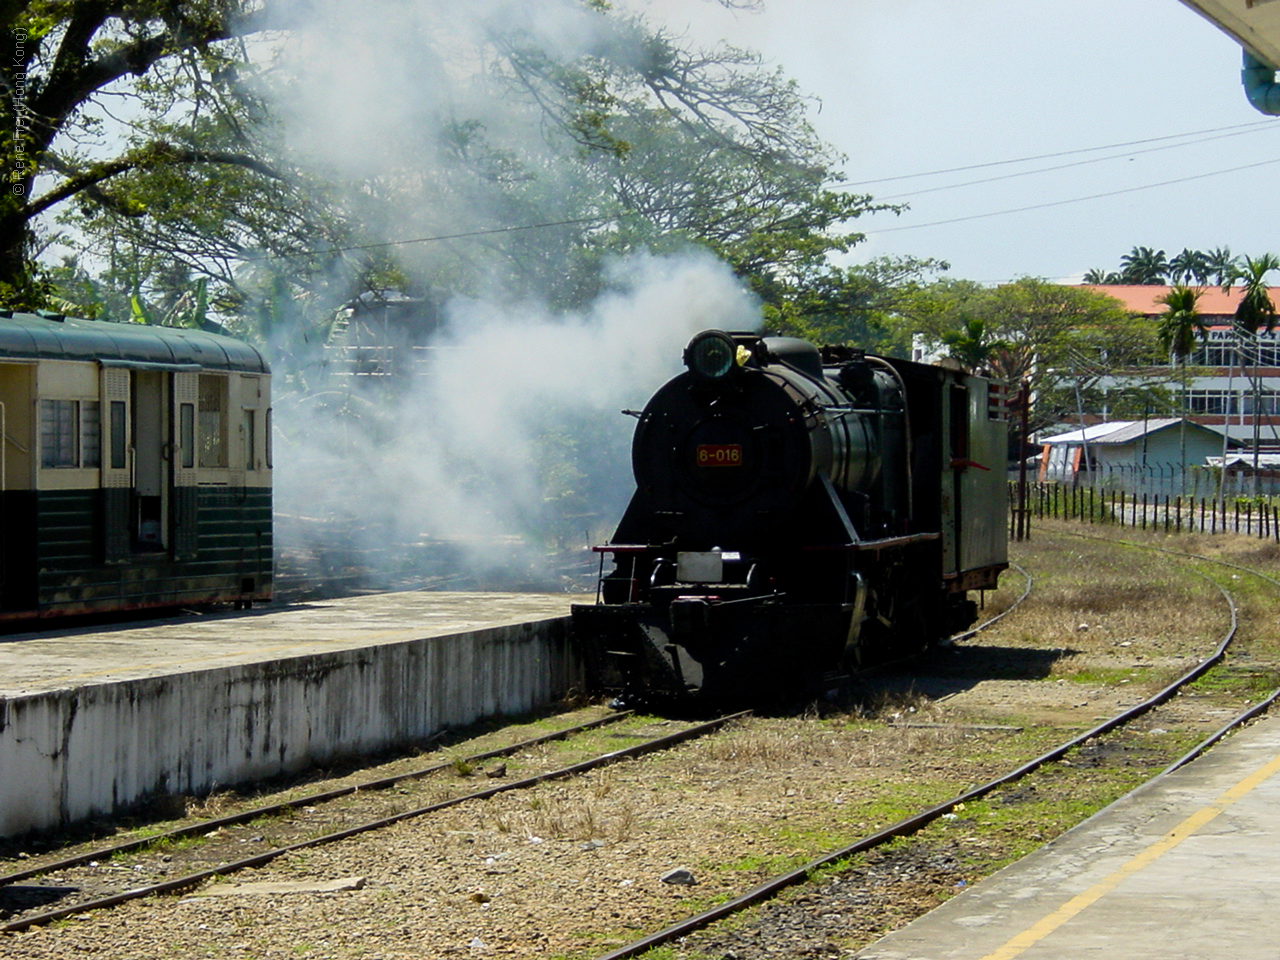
(711, 355)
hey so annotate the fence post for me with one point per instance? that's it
(1177, 505)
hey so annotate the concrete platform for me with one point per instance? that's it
(1185, 867)
(94, 720)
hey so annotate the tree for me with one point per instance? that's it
(632, 141)
(668, 146)
(1256, 309)
(973, 347)
(68, 58)
(1181, 322)
(1100, 278)
(1179, 326)
(1143, 265)
(1061, 340)
(845, 305)
(1223, 268)
(1189, 266)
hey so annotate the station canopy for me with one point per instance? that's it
(1254, 24)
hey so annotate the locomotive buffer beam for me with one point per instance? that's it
(630, 647)
(725, 651)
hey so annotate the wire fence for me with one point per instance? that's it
(1169, 513)
(1175, 479)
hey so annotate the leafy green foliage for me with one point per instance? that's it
(972, 346)
(1181, 322)
(1064, 342)
(68, 58)
(1144, 265)
(872, 305)
(1256, 310)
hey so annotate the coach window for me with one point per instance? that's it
(187, 434)
(58, 433)
(70, 433)
(250, 444)
(119, 435)
(90, 433)
(212, 421)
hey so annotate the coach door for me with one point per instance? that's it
(186, 461)
(958, 444)
(117, 464)
(139, 465)
(150, 483)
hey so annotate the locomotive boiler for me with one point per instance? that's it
(799, 513)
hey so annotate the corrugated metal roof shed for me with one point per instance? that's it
(1117, 431)
(46, 336)
(1268, 460)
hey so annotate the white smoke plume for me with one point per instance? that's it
(462, 459)
(509, 440)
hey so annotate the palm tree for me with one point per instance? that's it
(1222, 266)
(971, 346)
(1180, 323)
(1189, 265)
(1144, 265)
(1255, 311)
(1099, 277)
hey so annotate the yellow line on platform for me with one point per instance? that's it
(1187, 828)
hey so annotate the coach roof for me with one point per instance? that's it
(52, 336)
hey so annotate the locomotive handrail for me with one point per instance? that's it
(876, 544)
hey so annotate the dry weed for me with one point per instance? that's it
(216, 804)
(559, 816)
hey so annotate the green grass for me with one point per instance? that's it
(1106, 676)
(1238, 682)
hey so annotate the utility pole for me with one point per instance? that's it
(1023, 526)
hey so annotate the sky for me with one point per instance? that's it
(911, 87)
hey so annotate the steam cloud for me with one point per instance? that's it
(512, 428)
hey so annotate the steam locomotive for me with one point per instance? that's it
(800, 513)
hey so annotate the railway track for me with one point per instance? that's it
(917, 821)
(110, 874)
(127, 879)
(488, 881)
(911, 825)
